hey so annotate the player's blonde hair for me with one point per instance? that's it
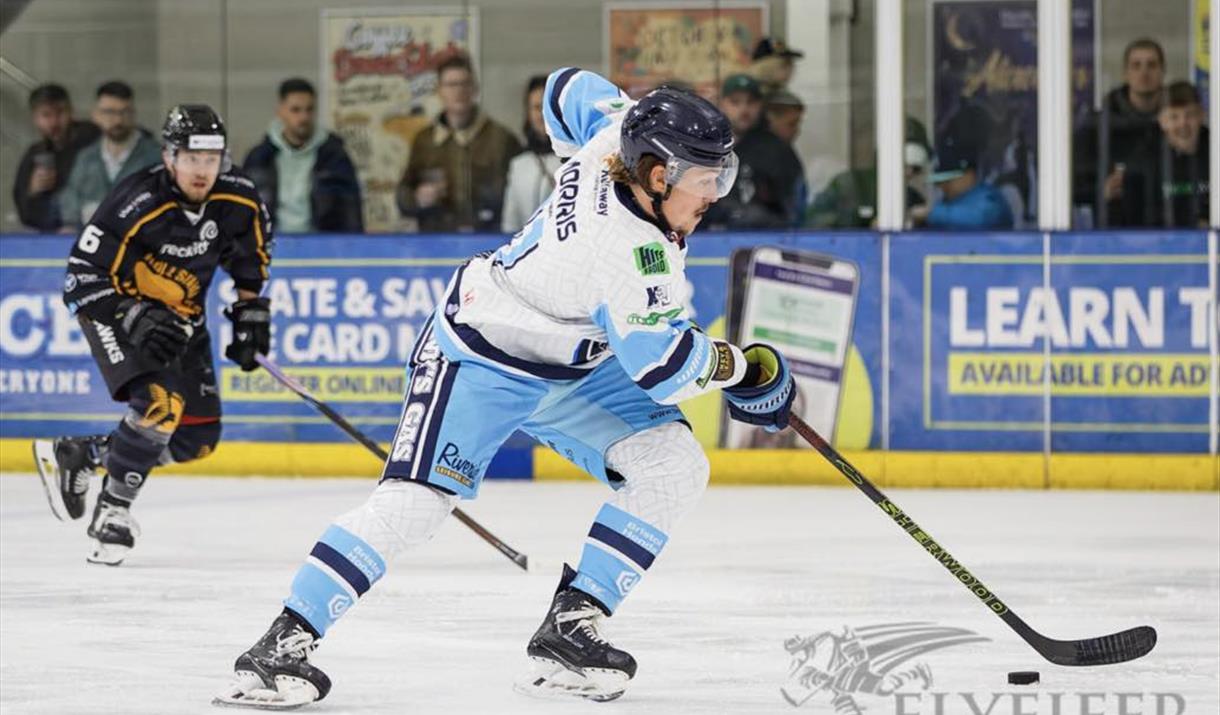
(621, 174)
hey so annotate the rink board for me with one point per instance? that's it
(1017, 351)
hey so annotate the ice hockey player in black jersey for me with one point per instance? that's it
(137, 281)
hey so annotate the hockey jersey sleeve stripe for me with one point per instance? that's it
(556, 91)
(259, 241)
(577, 105)
(118, 256)
(672, 365)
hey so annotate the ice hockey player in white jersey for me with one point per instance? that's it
(574, 332)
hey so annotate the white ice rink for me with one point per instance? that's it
(445, 631)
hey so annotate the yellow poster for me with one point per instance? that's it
(378, 90)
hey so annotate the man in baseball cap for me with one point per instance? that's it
(774, 63)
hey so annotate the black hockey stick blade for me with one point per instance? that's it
(1104, 650)
(287, 381)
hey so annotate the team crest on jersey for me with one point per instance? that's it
(650, 260)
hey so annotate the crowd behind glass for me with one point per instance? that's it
(1139, 160)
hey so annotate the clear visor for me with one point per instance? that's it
(707, 182)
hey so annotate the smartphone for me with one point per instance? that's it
(803, 304)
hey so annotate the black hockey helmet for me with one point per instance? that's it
(684, 130)
(194, 127)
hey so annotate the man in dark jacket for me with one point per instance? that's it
(45, 166)
(303, 173)
(1108, 141)
(1170, 189)
(770, 174)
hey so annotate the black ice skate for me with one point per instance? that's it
(113, 531)
(66, 464)
(569, 654)
(275, 674)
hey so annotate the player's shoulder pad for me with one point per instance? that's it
(576, 105)
(235, 181)
(133, 197)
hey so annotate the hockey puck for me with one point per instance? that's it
(1023, 677)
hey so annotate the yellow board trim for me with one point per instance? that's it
(949, 470)
(944, 470)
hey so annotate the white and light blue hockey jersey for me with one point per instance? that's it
(589, 276)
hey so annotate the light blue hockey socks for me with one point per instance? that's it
(339, 569)
(619, 548)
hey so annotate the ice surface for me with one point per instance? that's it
(445, 631)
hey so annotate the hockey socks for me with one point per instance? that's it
(619, 548)
(340, 568)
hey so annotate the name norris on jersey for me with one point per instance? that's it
(565, 208)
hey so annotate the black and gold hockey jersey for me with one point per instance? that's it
(142, 242)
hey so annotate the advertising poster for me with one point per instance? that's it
(984, 86)
(698, 43)
(378, 90)
(1110, 345)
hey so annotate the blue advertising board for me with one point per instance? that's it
(1126, 316)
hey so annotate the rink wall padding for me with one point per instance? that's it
(1009, 360)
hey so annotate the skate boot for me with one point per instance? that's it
(275, 674)
(113, 531)
(66, 465)
(569, 654)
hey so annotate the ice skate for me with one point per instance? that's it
(275, 674)
(65, 465)
(570, 656)
(113, 531)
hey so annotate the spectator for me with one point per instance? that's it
(45, 166)
(122, 150)
(302, 172)
(850, 199)
(784, 113)
(774, 63)
(531, 174)
(769, 175)
(967, 203)
(1171, 189)
(1106, 143)
(459, 165)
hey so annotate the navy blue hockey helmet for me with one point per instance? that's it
(685, 131)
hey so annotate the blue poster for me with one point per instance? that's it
(1116, 327)
(984, 87)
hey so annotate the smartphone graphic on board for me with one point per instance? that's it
(803, 304)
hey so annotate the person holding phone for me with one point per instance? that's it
(45, 166)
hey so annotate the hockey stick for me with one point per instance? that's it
(1114, 648)
(287, 381)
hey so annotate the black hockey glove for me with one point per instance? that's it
(157, 332)
(251, 331)
(764, 395)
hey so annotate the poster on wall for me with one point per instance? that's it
(378, 90)
(1199, 42)
(697, 43)
(984, 86)
(803, 304)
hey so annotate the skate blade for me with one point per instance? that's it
(290, 694)
(551, 679)
(107, 554)
(48, 473)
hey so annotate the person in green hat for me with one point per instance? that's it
(769, 177)
(850, 199)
